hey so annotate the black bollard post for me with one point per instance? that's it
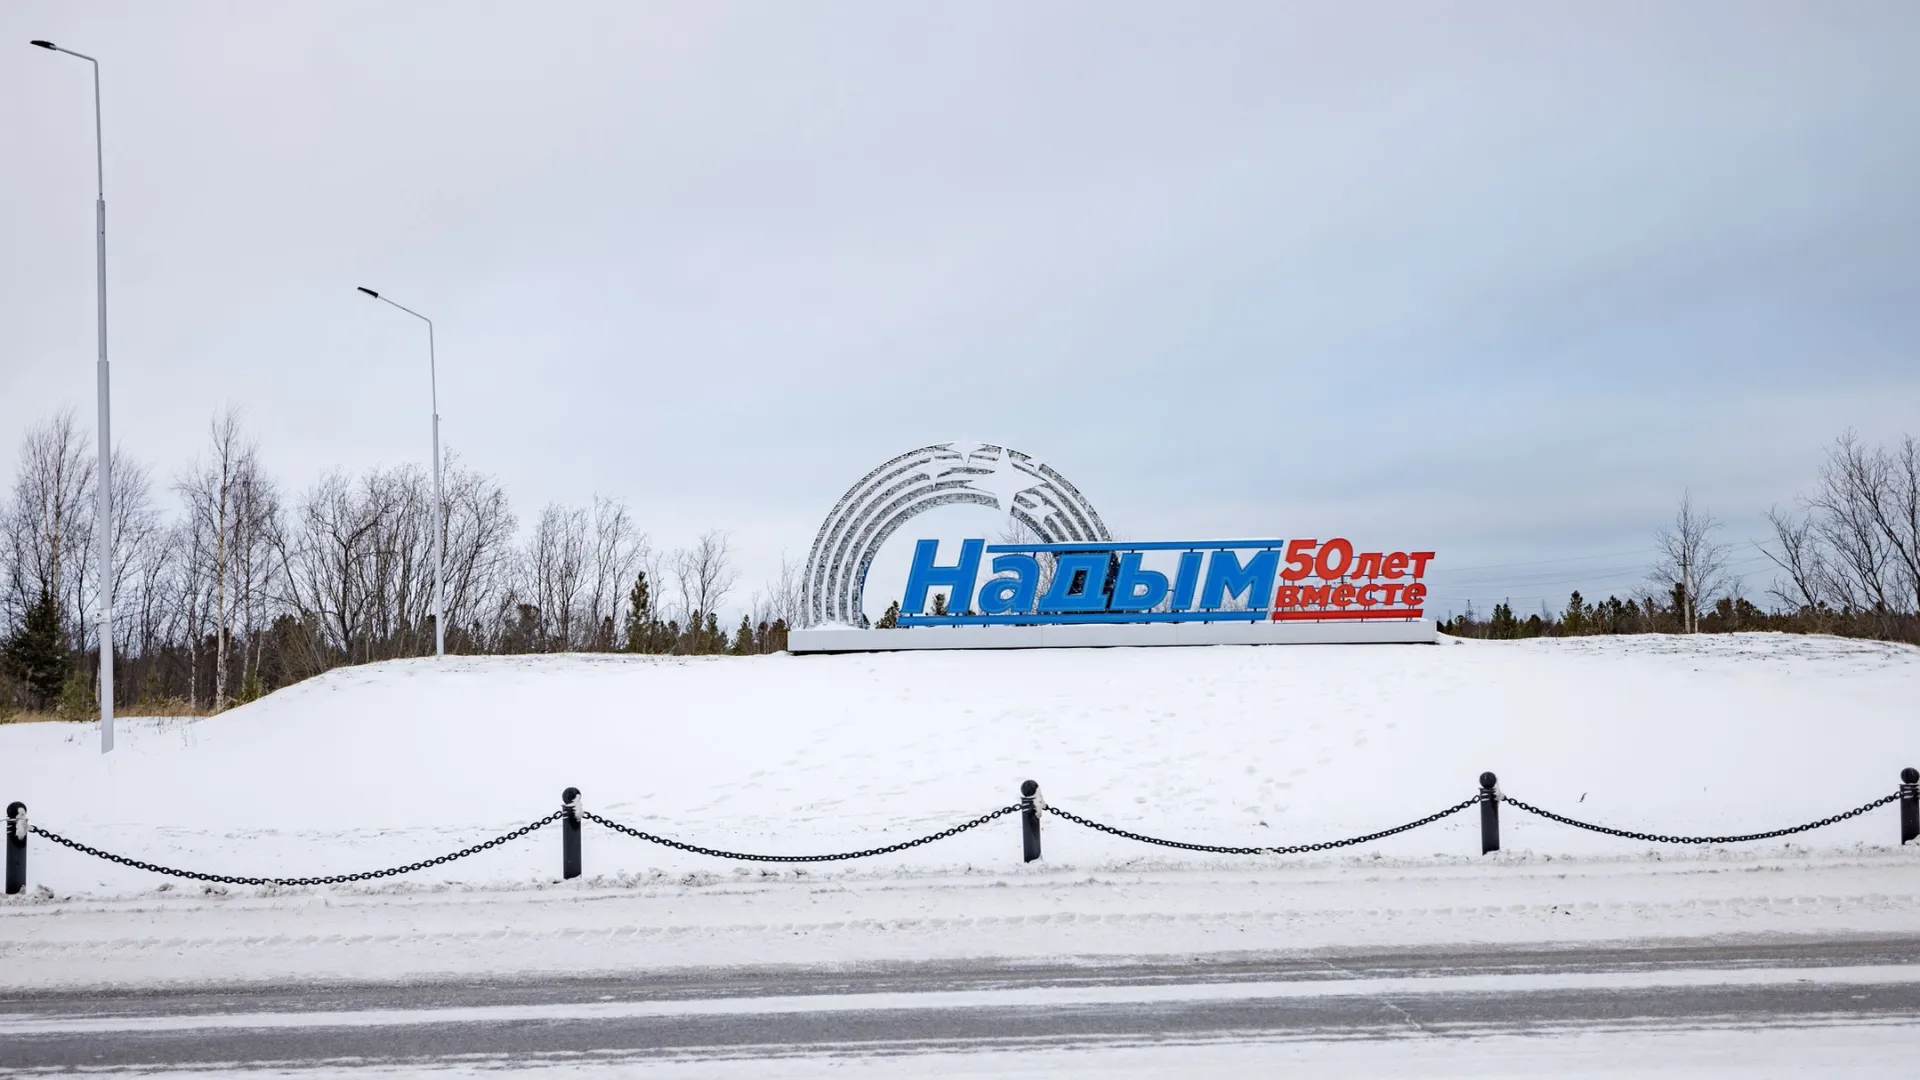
(570, 834)
(1489, 813)
(16, 848)
(1909, 804)
(1030, 805)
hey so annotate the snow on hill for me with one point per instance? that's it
(370, 766)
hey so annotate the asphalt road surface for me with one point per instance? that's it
(943, 1006)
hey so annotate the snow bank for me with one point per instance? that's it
(388, 763)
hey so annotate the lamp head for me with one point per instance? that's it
(44, 44)
(368, 291)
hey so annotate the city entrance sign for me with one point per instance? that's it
(1074, 584)
(1207, 582)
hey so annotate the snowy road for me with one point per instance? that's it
(1854, 1001)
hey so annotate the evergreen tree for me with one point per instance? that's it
(939, 603)
(642, 630)
(1614, 617)
(1574, 620)
(1503, 626)
(891, 620)
(743, 638)
(36, 653)
(715, 640)
(77, 699)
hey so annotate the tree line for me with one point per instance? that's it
(249, 586)
(1846, 558)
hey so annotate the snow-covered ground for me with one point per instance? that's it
(374, 766)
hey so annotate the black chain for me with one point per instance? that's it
(1294, 849)
(839, 857)
(1658, 839)
(336, 879)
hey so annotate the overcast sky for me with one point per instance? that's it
(1496, 279)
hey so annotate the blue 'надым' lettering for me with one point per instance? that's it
(1090, 582)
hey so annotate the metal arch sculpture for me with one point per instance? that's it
(1027, 490)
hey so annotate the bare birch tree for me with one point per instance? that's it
(557, 561)
(208, 489)
(1853, 547)
(49, 525)
(1800, 558)
(327, 564)
(784, 597)
(481, 559)
(703, 576)
(1692, 565)
(617, 553)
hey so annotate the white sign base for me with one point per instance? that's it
(1114, 635)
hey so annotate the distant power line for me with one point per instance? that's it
(1572, 577)
(1569, 558)
(1496, 589)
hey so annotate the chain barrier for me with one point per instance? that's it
(1038, 806)
(839, 857)
(1294, 849)
(335, 879)
(1659, 839)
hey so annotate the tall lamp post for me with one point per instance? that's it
(439, 508)
(103, 529)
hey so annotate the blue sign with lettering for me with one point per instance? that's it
(1194, 581)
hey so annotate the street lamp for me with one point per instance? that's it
(439, 508)
(104, 528)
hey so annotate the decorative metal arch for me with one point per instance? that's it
(1029, 491)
